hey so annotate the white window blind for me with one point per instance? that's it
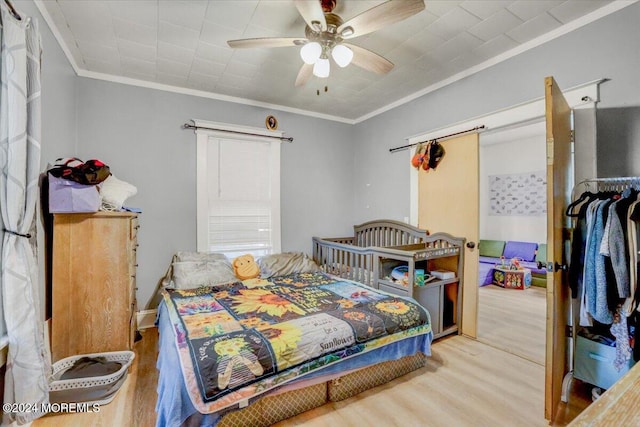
(238, 194)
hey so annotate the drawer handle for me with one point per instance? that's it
(136, 227)
(599, 358)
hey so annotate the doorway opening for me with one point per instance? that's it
(513, 229)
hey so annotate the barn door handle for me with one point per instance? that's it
(471, 245)
(557, 267)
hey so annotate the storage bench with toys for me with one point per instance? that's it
(531, 256)
(509, 278)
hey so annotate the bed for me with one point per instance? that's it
(352, 257)
(279, 345)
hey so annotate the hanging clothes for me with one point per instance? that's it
(578, 243)
(635, 299)
(588, 293)
(616, 245)
(599, 306)
(601, 270)
(603, 273)
(632, 239)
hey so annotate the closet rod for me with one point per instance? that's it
(618, 182)
(282, 138)
(404, 147)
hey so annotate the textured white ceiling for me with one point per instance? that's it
(183, 44)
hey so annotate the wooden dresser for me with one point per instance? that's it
(93, 283)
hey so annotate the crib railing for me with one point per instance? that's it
(386, 233)
(352, 257)
(344, 260)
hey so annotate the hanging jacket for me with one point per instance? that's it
(599, 306)
(589, 272)
(578, 241)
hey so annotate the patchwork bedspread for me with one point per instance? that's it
(238, 340)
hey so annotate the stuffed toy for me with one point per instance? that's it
(245, 267)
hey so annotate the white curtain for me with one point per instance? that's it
(28, 363)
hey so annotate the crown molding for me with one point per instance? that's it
(210, 95)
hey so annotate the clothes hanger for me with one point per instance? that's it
(629, 192)
(584, 196)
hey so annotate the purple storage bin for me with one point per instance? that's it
(69, 196)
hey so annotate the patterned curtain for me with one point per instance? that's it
(29, 362)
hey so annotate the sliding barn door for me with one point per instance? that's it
(559, 182)
(448, 201)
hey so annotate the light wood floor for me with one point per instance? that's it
(465, 383)
(513, 320)
(133, 406)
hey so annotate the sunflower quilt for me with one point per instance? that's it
(238, 340)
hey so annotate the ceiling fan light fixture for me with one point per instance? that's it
(321, 68)
(347, 32)
(342, 55)
(316, 26)
(310, 52)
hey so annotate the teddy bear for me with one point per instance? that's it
(245, 267)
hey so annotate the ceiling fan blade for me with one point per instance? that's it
(304, 74)
(311, 11)
(380, 16)
(368, 60)
(267, 42)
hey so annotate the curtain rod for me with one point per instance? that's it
(393, 150)
(13, 10)
(282, 138)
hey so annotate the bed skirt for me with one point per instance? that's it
(272, 409)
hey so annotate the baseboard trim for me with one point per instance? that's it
(146, 318)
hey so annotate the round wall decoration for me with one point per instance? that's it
(271, 122)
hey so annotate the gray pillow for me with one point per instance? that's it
(286, 263)
(193, 274)
(200, 256)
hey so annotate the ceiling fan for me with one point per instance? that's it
(326, 32)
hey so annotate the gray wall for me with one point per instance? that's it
(137, 132)
(58, 93)
(608, 48)
(619, 140)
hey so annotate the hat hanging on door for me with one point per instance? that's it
(436, 153)
(418, 157)
(427, 155)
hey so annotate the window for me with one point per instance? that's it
(238, 191)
